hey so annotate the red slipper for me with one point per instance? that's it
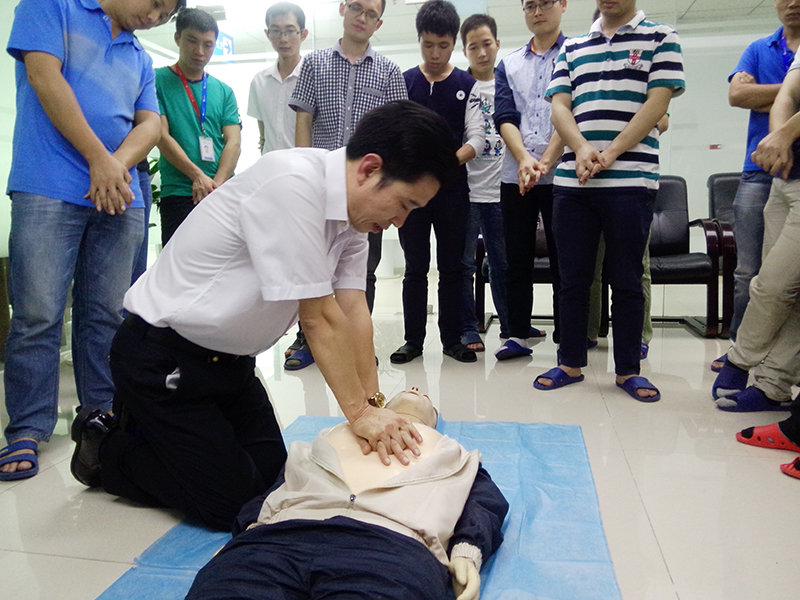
(766, 436)
(792, 469)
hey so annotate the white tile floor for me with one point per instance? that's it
(689, 513)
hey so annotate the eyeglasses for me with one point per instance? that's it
(532, 7)
(358, 10)
(282, 33)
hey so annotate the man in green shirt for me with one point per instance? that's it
(200, 127)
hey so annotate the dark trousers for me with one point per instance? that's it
(373, 260)
(623, 215)
(336, 559)
(199, 433)
(520, 218)
(447, 213)
(173, 210)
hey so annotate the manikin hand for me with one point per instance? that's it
(385, 432)
(466, 579)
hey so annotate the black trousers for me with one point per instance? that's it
(447, 213)
(199, 433)
(520, 218)
(173, 211)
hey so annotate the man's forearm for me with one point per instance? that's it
(642, 122)
(141, 139)
(564, 122)
(302, 131)
(512, 137)
(787, 101)
(176, 156)
(354, 305)
(752, 96)
(555, 148)
(227, 161)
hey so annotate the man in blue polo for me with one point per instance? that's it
(86, 115)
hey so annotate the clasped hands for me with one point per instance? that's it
(774, 153)
(589, 161)
(385, 432)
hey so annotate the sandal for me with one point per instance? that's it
(766, 436)
(718, 363)
(405, 353)
(30, 456)
(473, 338)
(559, 377)
(792, 469)
(299, 360)
(511, 349)
(644, 350)
(295, 345)
(750, 399)
(633, 384)
(731, 380)
(461, 353)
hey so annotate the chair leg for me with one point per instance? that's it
(712, 307)
(480, 285)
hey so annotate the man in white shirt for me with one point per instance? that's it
(272, 88)
(196, 430)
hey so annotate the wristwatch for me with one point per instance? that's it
(377, 400)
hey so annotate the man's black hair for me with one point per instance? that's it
(438, 17)
(412, 140)
(280, 9)
(197, 19)
(473, 22)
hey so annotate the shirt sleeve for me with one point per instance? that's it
(560, 82)
(667, 67)
(397, 85)
(505, 107)
(474, 133)
(304, 96)
(147, 99)
(253, 108)
(39, 26)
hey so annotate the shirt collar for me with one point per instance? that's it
(559, 42)
(775, 38)
(124, 36)
(369, 53)
(273, 71)
(629, 26)
(336, 185)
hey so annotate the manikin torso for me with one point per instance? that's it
(360, 471)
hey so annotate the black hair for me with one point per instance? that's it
(438, 17)
(197, 19)
(473, 22)
(412, 140)
(281, 9)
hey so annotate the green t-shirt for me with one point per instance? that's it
(184, 124)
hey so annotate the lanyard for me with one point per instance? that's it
(788, 55)
(201, 112)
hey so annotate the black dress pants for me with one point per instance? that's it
(201, 435)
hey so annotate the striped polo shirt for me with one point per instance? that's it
(608, 80)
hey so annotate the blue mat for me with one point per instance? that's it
(554, 547)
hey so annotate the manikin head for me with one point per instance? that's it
(416, 407)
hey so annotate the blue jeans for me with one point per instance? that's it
(485, 218)
(51, 243)
(140, 263)
(748, 228)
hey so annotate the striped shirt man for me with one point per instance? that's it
(608, 80)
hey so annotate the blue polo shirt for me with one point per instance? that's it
(111, 79)
(768, 61)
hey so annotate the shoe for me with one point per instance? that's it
(633, 384)
(792, 469)
(718, 363)
(89, 430)
(301, 359)
(472, 337)
(405, 353)
(30, 456)
(511, 349)
(731, 380)
(766, 436)
(559, 378)
(532, 333)
(750, 399)
(461, 353)
(644, 350)
(591, 344)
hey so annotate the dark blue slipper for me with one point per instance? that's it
(511, 349)
(30, 456)
(299, 360)
(731, 380)
(750, 399)
(591, 344)
(633, 384)
(644, 350)
(559, 378)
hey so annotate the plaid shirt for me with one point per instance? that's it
(338, 93)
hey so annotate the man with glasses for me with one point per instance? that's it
(526, 183)
(336, 87)
(271, 88)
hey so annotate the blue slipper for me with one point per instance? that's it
(472, 337)
(632, 384)
(750, 399)
(644, 350)
(591, 344)
(30, 457)
(299, 360)
(511, 349)
(559, 378)
(731, 380)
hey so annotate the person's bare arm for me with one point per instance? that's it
(141, 139)
(261, 139)
(232, 134)
(302, 131)
(465, 154)
(109, 189)
(202, 184)
(774, 152)
(744, 92)
(342, 348)
(587, 157)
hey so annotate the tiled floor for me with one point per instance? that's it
(689, 513)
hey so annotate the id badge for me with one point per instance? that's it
(206, 148)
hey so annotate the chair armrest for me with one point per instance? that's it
(712, 234)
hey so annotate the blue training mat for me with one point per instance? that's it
(554, 547)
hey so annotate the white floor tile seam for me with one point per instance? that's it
(128, 563)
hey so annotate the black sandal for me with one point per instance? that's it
(461, 353)
(405, 353)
